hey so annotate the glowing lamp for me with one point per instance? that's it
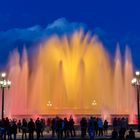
(94, 103)
(1, 83)
(137, 73)
(4, 83)
(8, 83)
(49, 104)
(134, 81)
(3, 75)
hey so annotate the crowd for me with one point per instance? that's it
(120, 126)
(63, 128)
(9, 128)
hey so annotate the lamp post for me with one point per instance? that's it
(3, 84)
(136, 83)
(94, 103)
(49, 104)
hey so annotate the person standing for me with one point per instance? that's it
(53, 126)
(6, 124)
(100, 126)
(31, 129)
(13, 129)
(96, 126)
(105, 127)
(66, 128)
(24, 129)
(19, 126)
(59, 129)
(42, 121)
(83, 125)
(71, 127)
(38, 128)
(91, 128)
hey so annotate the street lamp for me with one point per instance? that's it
(136, 83)
(94, 103)
(4, 84)
(49, 104)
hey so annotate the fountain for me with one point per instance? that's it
(70, 74)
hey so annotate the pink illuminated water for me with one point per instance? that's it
(73, 75)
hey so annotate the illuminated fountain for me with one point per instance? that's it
(72, 74)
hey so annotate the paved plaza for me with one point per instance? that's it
(47, 135)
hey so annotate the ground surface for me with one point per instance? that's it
(47, 136)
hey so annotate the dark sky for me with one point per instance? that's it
(113, 15)
(114, 20)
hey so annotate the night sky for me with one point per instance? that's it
(28, 21)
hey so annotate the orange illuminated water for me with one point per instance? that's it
(70, 74)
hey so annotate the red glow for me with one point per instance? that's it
(133, 118)
(35, 116)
